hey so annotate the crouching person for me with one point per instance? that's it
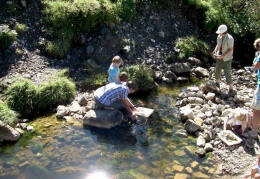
(115, 95)
(240, 119)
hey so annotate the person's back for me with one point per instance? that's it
(111, 92)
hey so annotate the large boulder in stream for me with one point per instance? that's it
(103, 118)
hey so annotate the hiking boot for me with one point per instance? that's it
(218, 85)
(231, 92)
(250, 135)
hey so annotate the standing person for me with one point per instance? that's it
(115, 95)
(256, 99)
(257, 47)
(224, 55)
(113, 71)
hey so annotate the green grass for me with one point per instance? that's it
(66, 18)
(191, 46)
(54, 92)
(142, 75)
(7, 36)
(27, 98)
(7, 116)
(95, 79)
(22, 96)
(20, 28)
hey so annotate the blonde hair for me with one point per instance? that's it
(257, 43)
(241, 114)
(117, 60)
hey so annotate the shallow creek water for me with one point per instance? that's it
(61, 150)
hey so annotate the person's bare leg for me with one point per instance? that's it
(256, 119)
(253, 172)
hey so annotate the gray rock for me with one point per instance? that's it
(191, 127)
(208, 147)
(103, 118)
(8, 133)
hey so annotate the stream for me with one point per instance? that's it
(157, 149)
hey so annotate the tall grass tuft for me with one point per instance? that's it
(22, 96)
(54, 92)
(28, 99)
(7, 116)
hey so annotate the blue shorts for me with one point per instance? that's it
(256, 100)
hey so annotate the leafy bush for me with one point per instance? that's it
(22, 96)
(7, 36)
(142, 75)
(191, 46)
(7, 115)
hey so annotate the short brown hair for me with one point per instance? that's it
(123, 76)
(257, 43)
(132, 85)
(117, 59)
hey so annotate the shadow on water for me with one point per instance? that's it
(119, 137)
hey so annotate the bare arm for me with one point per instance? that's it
(256, 65)
(127, 105)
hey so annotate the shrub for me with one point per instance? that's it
(7, 36)
(191, 46)
(22, 96)
(58, 90)
(7, 115)
(142, 75)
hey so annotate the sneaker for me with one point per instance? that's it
(250, 135)
(218, 85)
(231, 93)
